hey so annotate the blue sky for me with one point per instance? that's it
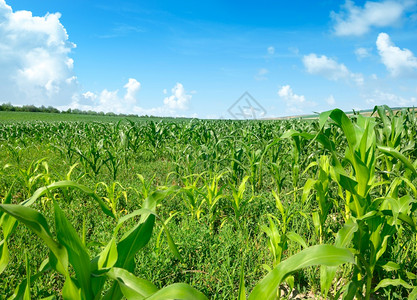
(196, 58)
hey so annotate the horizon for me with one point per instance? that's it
(181, 59)
(32, 109)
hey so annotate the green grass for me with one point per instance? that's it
(11, 116)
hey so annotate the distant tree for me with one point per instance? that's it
(50, 109)
(76, 111)
(6, 107)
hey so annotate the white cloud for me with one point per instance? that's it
(179, 98)
(355, 20)
(132, 87)
(295, 103)
(399, 62)
(261, 75)
(379, 97)
(362, 53)
(288, 95)
(330, 69)
(90, 96)
(330, 100)
(109, 101)
(34, 63)
(271, 50)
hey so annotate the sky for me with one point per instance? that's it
(209, 59)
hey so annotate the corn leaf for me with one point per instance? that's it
(316, 255)
(242, 290)
(77, 254)
(396, 154)
(69, 184)
(180, 291)
(131, 286)
(394, 282)
(37, 223)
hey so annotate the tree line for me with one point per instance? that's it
(50, 109)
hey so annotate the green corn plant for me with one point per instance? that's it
(16, 152)
(155, 134)
(190, 161)
(23, 290)
(176, 154)
(114, 263)
(116, 151)
(278, 175)
(326, 255)
(238, 202)
(212, 195)
(236, 168)
(192, 195)
(146, 186)
(66, 192)
(296, 164)
(391, 133)
(184, 159)
(276, 165)
(212, 156)
(31, 176)
(158, 244)
(255, 160)
(377, 219)
(392, 127)
(92, 158)
(278, 236)
(7, 224)
(133, 137)
(65, 145)
(322, 188)
(114, 193)
(242, 289)
(254, 157)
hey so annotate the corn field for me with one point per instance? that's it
(322, 209)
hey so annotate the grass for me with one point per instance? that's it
(12, 117)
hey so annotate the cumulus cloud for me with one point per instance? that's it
(179, 98)
(271, 50)
(128, 103)
(286, 93)
(330, 69)
(379, 97)
(35, 66)
(109, 101)
(295, 103)
(355, 20)
(132, 87)
(399, 62)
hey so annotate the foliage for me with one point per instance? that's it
(240, 208)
